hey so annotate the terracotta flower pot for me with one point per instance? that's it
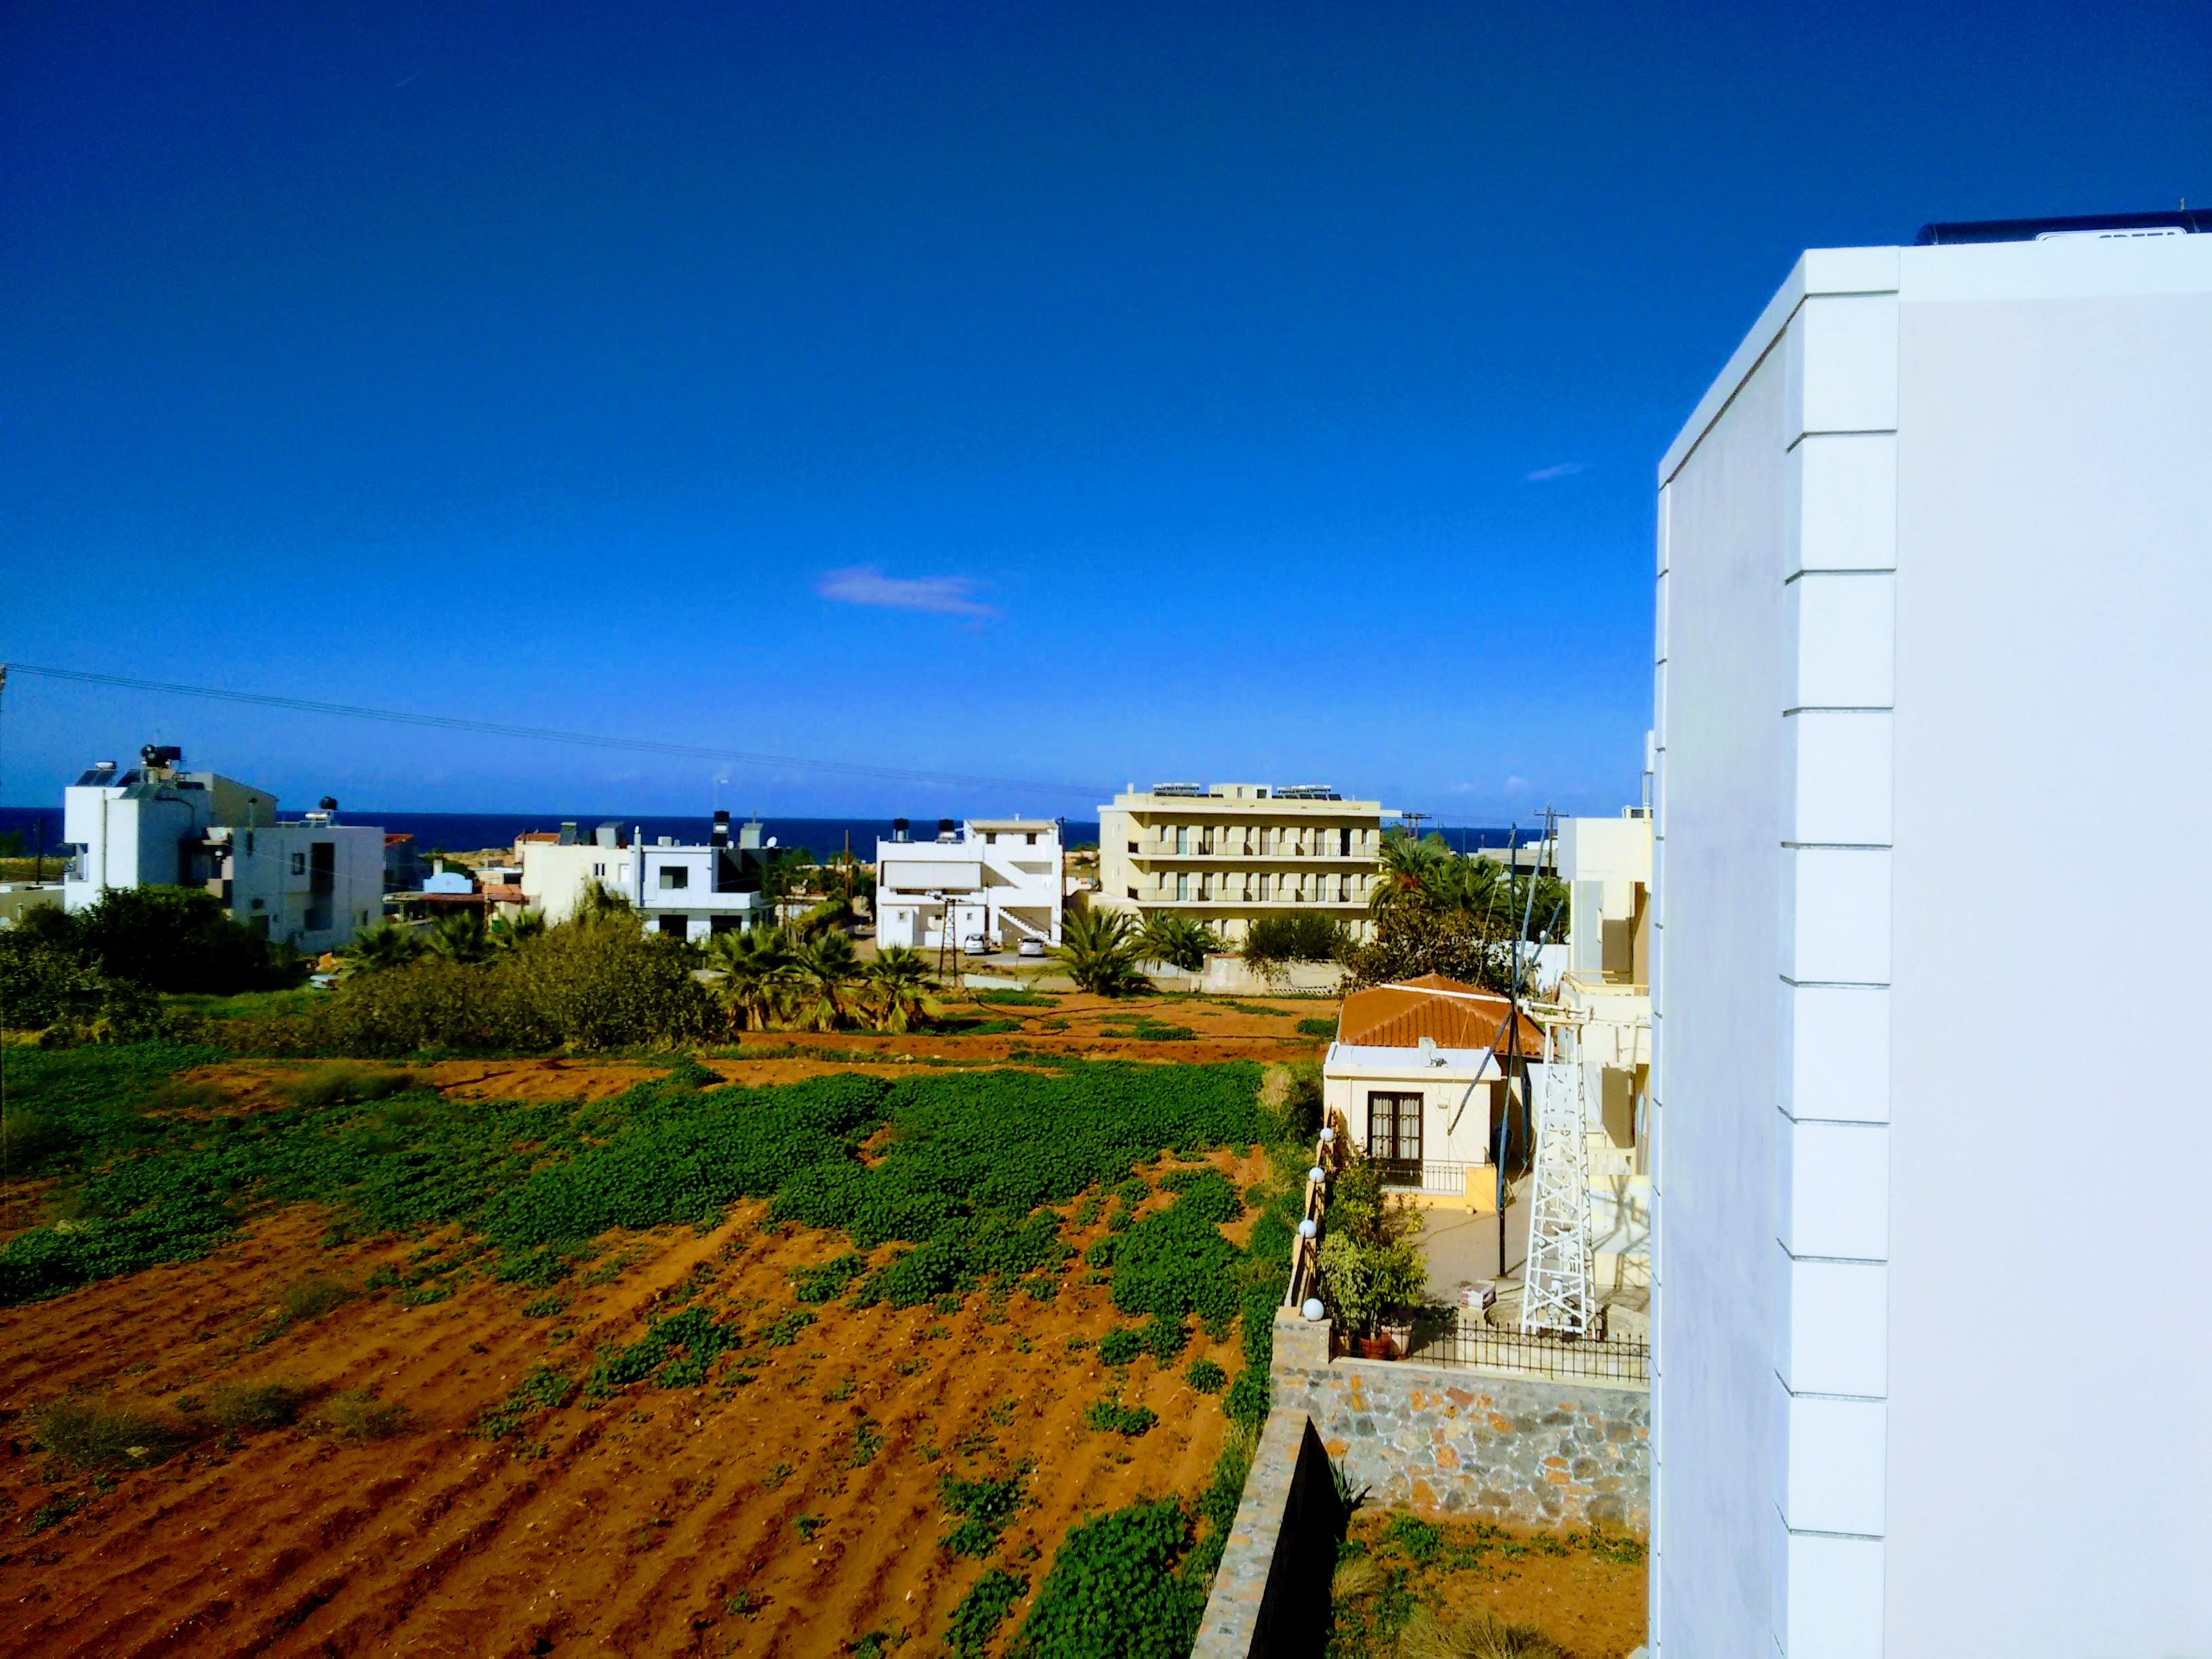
(1400, 1339)
(1376, 1347)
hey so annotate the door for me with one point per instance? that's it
(1394, 1133)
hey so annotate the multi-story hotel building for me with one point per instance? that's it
(1228, 854)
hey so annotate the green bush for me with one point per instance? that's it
(166, 938)
(1114, 1592)
(341, 1082)
(90, 1430)
(1119, 1346)
(1322, 1029)
(1112, 1417)
(266, 1405)
(1205, 1377)
(358, 1415)
(981, 1612)
(1175, 1262)
(1301, 936)
(985, 1509)
(47, 986)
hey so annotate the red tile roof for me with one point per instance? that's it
(1449, 1013)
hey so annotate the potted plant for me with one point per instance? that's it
(1370, 1269)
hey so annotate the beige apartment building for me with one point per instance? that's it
(1227, 854)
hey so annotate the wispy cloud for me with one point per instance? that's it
(1516, 786)
(1546, 474)
(940, 596)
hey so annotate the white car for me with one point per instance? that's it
(976, 945)
(1030, 947)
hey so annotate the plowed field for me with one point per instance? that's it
(789, 1508)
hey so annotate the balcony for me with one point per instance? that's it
(1224, 854)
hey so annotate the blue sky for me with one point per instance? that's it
(1083, 393)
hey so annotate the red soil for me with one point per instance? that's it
(662, 1522)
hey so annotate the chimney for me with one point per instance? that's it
(944, 829)
(901, 829)
(720, 835)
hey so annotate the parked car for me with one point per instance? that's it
(976, 945)
(1030, 947)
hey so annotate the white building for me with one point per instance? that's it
(1420, 1075)
(689, 891)
(1605, 864)
(309, 882)
(1935, 556)
(1001, 878)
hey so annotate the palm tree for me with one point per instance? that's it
(823, 969)
(756, 972)
(385, 944)
(899, 986)
(1178, 940)
(519, 928)
(1100, 950)
(1411, 871)
(462, 937)
(601, 903)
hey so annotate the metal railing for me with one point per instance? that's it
(1457, 1339)
(1430, 1175)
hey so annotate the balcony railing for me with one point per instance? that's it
(1434, 1176)
(1458, 1338)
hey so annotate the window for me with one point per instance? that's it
(1394, 1128)
(1205, 887)
(600, 872)
(1133, 847)
(1182, 838)
(676, 926)
(1266, 838)
(1344, 889)
(1344, 843)
(1266, 882)
(990, 838)
(1030, 839)
(1132, 892)
(1183, 885)
(298, 864)
(674, 876)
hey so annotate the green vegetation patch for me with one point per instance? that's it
(1115, 1590)
(981, 1612)
(985, 1508)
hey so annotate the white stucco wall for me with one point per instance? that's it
(1932, 554)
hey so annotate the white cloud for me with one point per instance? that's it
(940, 596)
(1516, 786)
(1561, 470)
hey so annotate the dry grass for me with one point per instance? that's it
(358, 1415)
(344, 1081)
(96, 1428)
(311, 1296)
(270, 1404)
(1473, 1635)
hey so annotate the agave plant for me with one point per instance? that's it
(1177, 941)
(822, 969)
(462, 937)
(385, 944)
(757, 970)
(898, 991)
(1099, 948)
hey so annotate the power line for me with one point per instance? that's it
(544, 734)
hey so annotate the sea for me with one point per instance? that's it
(470, 832)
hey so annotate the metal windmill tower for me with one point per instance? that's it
(1556, 1295)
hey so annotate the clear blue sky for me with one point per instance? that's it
(1084, 392)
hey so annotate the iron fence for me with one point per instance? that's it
(1460, 1341)
(1430, 1175)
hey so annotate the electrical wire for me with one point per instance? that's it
(546, 734)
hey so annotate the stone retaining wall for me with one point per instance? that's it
(1521, 1451)
(1271, 1591)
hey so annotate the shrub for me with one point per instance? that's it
(344, 1082)
(985, 1508)
(311, 1297)
(1112, 1592)
(827, 1282)
(267, 1405)
(976, 1620)
(1119, 1346)
(94, 1429)
(357, 1416)
(168, 938)
(1112, 1417)
(48, 985)
(1482, 1635)
(1298, 937)
(1205, 1377)
(1322, 1029)
(1175, 1262)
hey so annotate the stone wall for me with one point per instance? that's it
(1521, 1451)
(1271, 1591)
